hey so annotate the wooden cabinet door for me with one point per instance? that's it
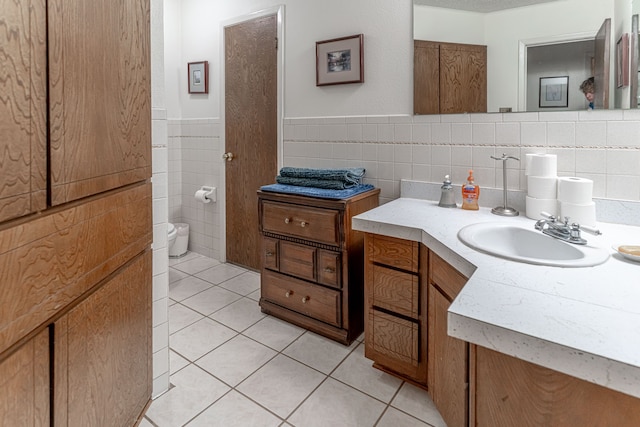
(100, 96)
(426, 77)
(23, 109)
(102, 358)
(463, 78)
(24, 381)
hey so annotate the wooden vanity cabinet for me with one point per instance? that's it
(312, 261)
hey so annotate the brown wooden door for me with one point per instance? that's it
(250, 131)
(100, 92)
(426, 77)
(602, 60)
(463, 78)
(23, 167)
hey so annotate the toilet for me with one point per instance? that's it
(177, 239)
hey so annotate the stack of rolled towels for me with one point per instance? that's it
(562, 197)
(333, 179)
(542, 184)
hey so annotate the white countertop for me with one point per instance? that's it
(584, 322)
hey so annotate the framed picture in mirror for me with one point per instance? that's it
(198, 78)
(340, 61)
(554, 92)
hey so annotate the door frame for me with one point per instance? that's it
(222, 193)
(541, 41)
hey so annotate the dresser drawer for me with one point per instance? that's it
(448, 279)
(393, 252)
(329, 271)
(319, 225)
(298, 260)
(394, 337)
(395, 291)
(312, 300)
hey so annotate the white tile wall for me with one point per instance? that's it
(600, 145)
(160, 173)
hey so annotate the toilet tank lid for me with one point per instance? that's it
(170, 227)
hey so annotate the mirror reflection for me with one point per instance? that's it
(537, 55)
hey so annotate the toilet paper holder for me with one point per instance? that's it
(206, 194)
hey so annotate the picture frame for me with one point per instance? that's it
(622, 61)
(340, 61)
(554, 92)
(198, 73)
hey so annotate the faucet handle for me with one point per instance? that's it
(590, 230)
(547, 215)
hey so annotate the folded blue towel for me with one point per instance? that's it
(315, 182)
(351, 175)
(317, 192)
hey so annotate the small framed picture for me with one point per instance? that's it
(554, 92)
(622, 61)
(340, 61)
(198, 77)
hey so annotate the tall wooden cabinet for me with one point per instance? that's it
(75, 212)
(449, 78)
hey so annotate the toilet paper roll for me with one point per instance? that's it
(542, 187)
(535, 206)
(575, 190)
(582, 214)
(541, 165)
(201, 196)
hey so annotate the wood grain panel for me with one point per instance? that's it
(394, 252)
(22, 108)
(298, 260)
(463, 78)
(100, 96)
(270, 253)
(103, 351)
(329, 268)
(396, 291)
(318, 225)
(445, 277)
(426, 77)
(24, 380)
(395, 337)
(48, 262)
(512, 392)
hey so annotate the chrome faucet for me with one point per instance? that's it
(551, 226)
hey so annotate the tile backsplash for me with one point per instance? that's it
(600, 145)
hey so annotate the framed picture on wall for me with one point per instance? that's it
(554, 92)
(622, 61)
(340, 61)
(198, 77)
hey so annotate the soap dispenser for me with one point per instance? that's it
(447, 198)
(470, 194)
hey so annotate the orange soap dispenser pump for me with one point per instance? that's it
(470, 194)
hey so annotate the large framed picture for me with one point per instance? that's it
(340, 61)
(622, 61)
(554, 92)
(198, 77)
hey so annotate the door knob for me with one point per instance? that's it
(228, 156)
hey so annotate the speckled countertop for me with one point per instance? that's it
(584, 322)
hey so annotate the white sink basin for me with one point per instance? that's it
(529, 245)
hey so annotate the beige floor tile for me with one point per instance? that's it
(235, 410)
(318, 352)
(200, 338)
(281, 385)
(180, 317)
(211, 300)
(274, 332)
(394, 418)
(236, 359)
(196, 265)
(187, 287)
(220, 273)
(416, 401)
(239, 315)
(176, 362)
(243, 284)
(336, 404)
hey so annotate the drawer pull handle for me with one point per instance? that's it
(288, 294)
(269, 253)
(305, 299)
(329, 270)
(304, 224)
(287, 220)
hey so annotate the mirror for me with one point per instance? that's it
(510, 34)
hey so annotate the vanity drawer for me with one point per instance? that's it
(395, 291)
(395, 338)
(329, 272)
(270, 253)
(298, 260)
(398, 253)
(448, 279)
(311, 300)
(319, 225)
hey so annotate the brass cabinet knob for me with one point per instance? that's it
(287, 220)
(329, 270)
(305, 299)
(269, 253)
(288, 294)
(303, 224)
(228, 156)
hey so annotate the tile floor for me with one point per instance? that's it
(232, 365)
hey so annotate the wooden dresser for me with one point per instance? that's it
(312, 261)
